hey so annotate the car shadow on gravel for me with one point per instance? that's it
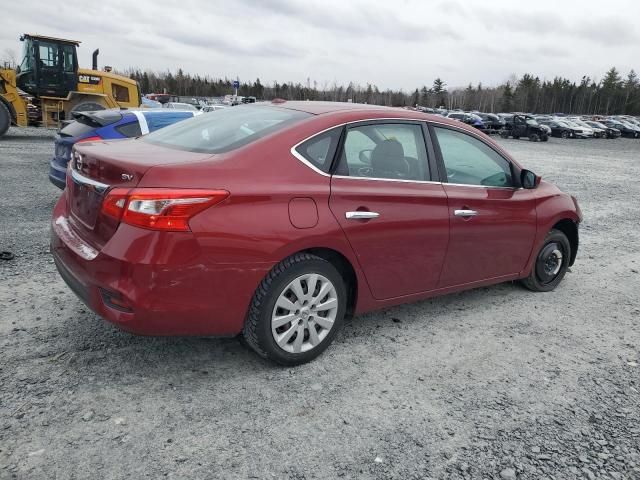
(94, 339)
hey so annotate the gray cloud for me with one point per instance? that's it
(400, 44)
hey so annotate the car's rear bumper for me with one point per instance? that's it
(150, 284)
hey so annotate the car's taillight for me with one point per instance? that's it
(95, 138)
(159, 208)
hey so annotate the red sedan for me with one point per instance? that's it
(275, 221)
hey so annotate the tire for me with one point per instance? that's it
(545, 138)
(87, 107)
(5, 119)
(564, 134)
(534, 137)
(504, 134)
(296, 273)
(516, 137)
(545, 275)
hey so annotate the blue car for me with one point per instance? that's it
(107, 125)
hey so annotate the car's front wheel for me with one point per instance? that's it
(297, 310)
(551, 263)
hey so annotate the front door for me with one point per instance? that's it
(493, 223)
(55, 68)
(395, 219)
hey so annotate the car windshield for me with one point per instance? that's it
(596, 124)
(225, 130)
(531, 121)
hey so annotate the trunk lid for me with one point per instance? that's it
(97, 167)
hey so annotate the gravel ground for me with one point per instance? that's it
(496, 383)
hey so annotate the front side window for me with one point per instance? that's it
(394, 151)
(48, 54)
(225, 130)
(67, 52)
(469, 161)
(320, 150)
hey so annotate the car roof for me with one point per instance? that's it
(318, 108)
(350, 111)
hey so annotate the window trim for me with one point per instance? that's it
(398, 121)
(332, 162)
(515, 171)
(433, 172)
(432, 147)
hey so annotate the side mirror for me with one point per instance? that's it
(529, 180)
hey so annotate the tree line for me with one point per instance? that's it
(613, 94)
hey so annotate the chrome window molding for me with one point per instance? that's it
(306, 162)
(387, 179)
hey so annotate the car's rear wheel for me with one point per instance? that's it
(504, 134)
(564, 134)
(5, 119)
(297, 310)
(534, 137)
(551, 263)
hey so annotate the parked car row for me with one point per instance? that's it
(541, 127)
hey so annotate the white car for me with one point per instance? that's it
(578, 130)
(597, 132)
(180, 106)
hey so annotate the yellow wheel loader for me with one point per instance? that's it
(48, 86)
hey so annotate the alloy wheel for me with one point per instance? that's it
(304, 313)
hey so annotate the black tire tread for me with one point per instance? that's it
(5, 119)
(529, 282)
(260, 296)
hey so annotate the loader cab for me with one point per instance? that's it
(49, 66)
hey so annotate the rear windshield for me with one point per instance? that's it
(225, 130)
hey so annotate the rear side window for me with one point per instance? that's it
(320, 150)
(130, 130)
(226, 130)
(120, 93)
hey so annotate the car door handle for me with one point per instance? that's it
(465, 213)
(361, 215)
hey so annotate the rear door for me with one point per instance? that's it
(394, 216)
(493, 222)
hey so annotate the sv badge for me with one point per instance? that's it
(126, 176)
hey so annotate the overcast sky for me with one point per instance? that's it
(393, 44)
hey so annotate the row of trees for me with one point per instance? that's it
(613, 94)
